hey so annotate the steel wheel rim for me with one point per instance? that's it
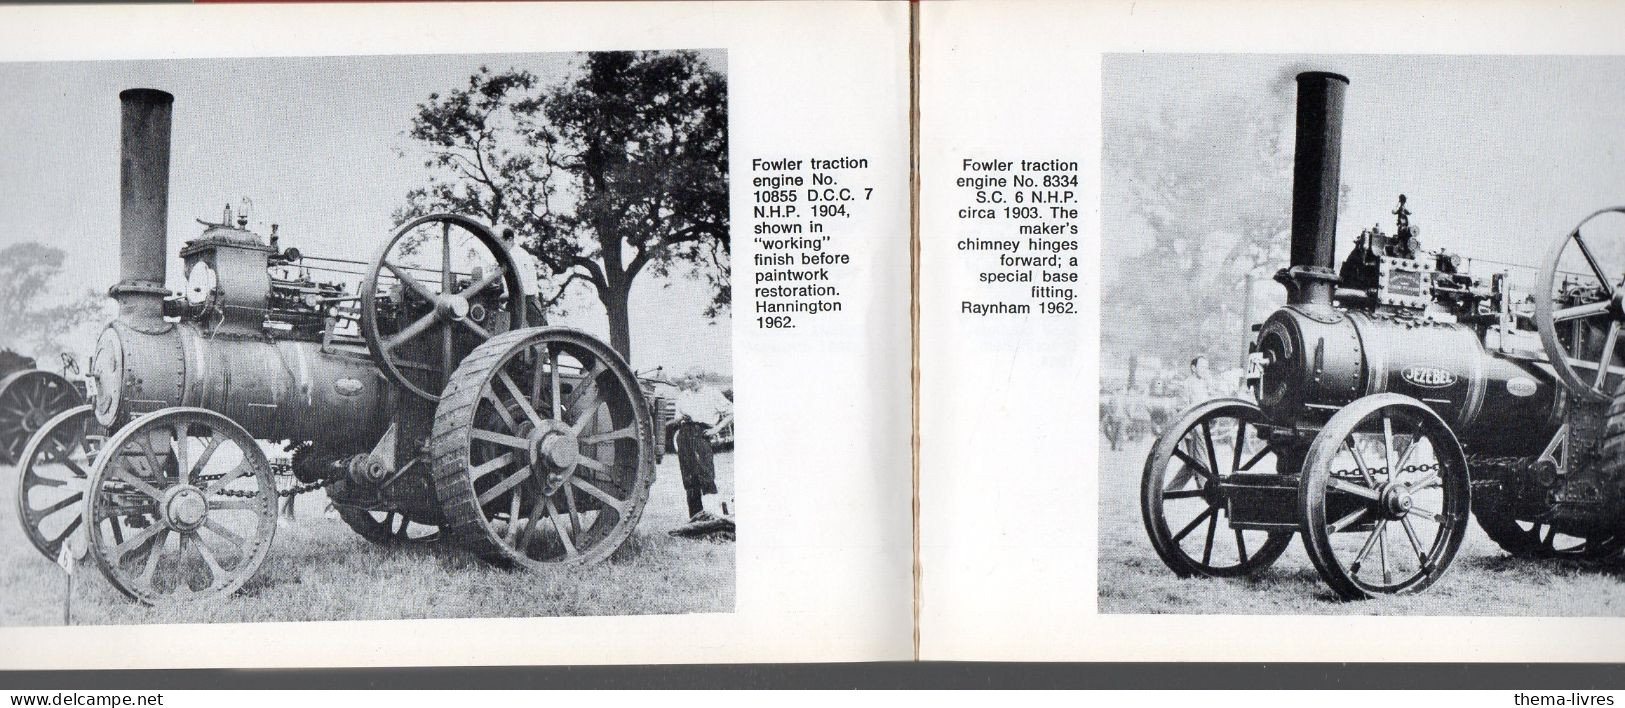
(558, 502)
(1595, 382)
(55, 472)
(28, 400)
(1179, 478)
(161, 536)
(439, 326)
(1410, 523)
(554, 484)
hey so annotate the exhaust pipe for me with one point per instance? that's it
(1312, 275)
(143, 204)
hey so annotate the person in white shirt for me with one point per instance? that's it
(703, 405)
(529, 280)
(1199, 385)
(1198, 389)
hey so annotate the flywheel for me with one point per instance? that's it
(433, 293)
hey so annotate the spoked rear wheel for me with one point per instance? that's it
(54, 476)
(1384, 498)
(1181, 497)
(183, 507)
(544, 449)
(1534, 539)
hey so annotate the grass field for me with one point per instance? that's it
(1483, 580)
(321, 570)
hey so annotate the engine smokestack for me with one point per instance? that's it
(1315, 186)
(143, 203)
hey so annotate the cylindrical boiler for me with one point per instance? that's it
(277, 390)
(1316, 365)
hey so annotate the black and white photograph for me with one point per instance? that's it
(1359, 335)
(366, 338)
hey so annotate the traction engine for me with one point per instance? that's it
(30, 396)
(1396, 395)
(430, 402)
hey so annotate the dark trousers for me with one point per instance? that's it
(694, 460)
(535, 316)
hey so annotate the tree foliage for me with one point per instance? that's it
(1206, 192)
(31, 320)
(616, 171)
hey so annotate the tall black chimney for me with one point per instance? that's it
(1315, 186)
(143, 203)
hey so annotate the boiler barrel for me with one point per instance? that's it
(1324, 363)
(277, 390)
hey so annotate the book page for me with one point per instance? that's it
(1139, 445)
(406, 335)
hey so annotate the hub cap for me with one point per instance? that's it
(1396, 500)
(555, 449)
(452, 307)
(185, 509)
(561, 449)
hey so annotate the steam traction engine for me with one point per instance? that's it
(1395, 395)
(422, 401)
(29, 397)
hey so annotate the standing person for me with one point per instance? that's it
(1136, 411)
(1111, 416)
(698, 410)
(694, 458)
(1199, 387)
(529, 282)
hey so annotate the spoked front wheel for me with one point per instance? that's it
(1182, 498)
(1384, 498)
(387, 527)
(182, 507)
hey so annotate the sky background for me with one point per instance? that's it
(1498, 156)
(314, 143)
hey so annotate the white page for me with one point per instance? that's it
(1012, 502)
(822, 569)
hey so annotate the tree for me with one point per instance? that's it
(617, 171)
(29, 322)
(1210, 187)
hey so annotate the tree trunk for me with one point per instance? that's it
(616, 291)
(620, 328)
